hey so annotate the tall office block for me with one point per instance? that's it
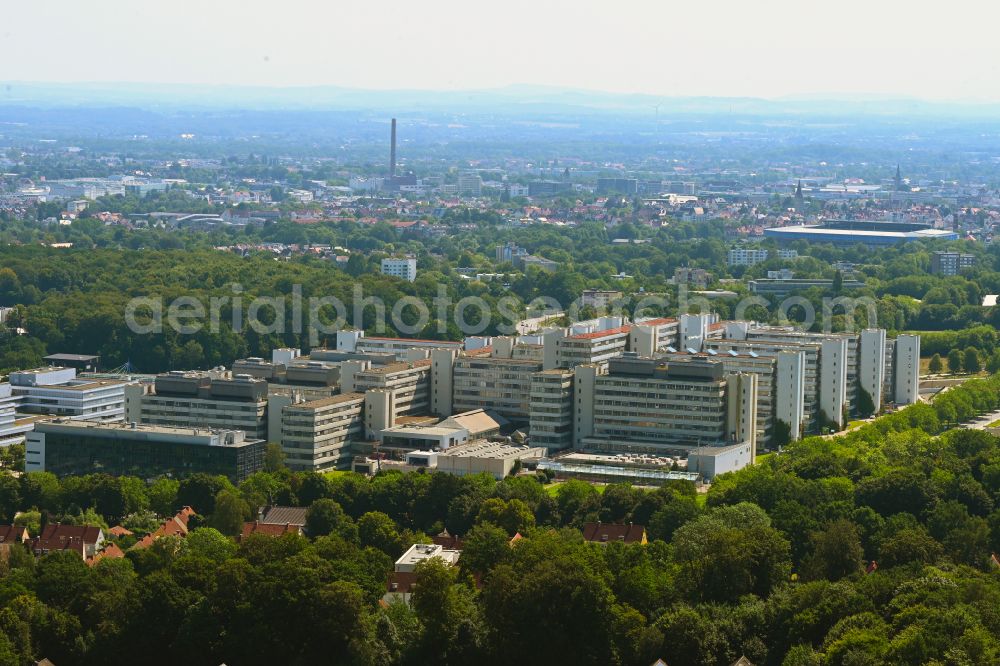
(790, 383)
(907, 367)
(551, 418)
(833, 379)
(741, 410)
(871, 364)
(584, 381)
(442, 381)
(315, 435)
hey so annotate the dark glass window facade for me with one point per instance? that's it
(70, 454)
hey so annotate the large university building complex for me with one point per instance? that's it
(659, 387)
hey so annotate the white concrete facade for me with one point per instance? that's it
(789, 392)
(58, 392)
(907, 370)
(871, 364)
(401, 268)
(833, 379)
(315, 435)
(551, 416)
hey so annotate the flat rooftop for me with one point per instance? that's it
(75, 384)
(713, 354)
(717, 450)
(615, 459)
(81, 358)
(607, 333)
(493, 450)
(478, 356)
(417, 429)
(649, 475)
(143, 428)
(419, 552)
(658, 321)
(416, 419)
(326, 402)
(84, 385)
(415, 341)
(392, 368)
(885, 232)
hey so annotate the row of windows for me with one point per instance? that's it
(255, 407)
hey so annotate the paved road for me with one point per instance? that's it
(981, 422)
(526, 326)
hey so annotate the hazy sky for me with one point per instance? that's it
(763, 48)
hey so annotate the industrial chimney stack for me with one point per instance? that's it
(392, 152)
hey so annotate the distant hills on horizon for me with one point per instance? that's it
(509, 100)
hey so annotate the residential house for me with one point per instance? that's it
(399, 583)
(84, 539)
(283, 515)
(269, 529)
(604, 533)
(111, 551)
(175, 526)
(14, 534)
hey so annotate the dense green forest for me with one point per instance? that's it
(775, 565)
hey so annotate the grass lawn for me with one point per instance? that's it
(995, 424)
(701, 498)
(944, 374)
(337, 472)
(553, 488)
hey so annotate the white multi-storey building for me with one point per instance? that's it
(695, 329)
(746, 256)
(58, 392)
(790, 391)
(12, 427)
(645, 406)
(766, 370)
(401, 348)
(799, 413)
(182, 399)
(906, 370)
(315, 435)
(470, 184)
(551, 411)
(498, 379)
(401, 268)
(391, 391)
(652, 335)
(599, 298)
(833, 380)
(597, 347)
(871, 364)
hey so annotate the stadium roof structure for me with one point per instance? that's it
(853, 232)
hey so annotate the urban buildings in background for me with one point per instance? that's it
(951, 263)
(661, 387)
